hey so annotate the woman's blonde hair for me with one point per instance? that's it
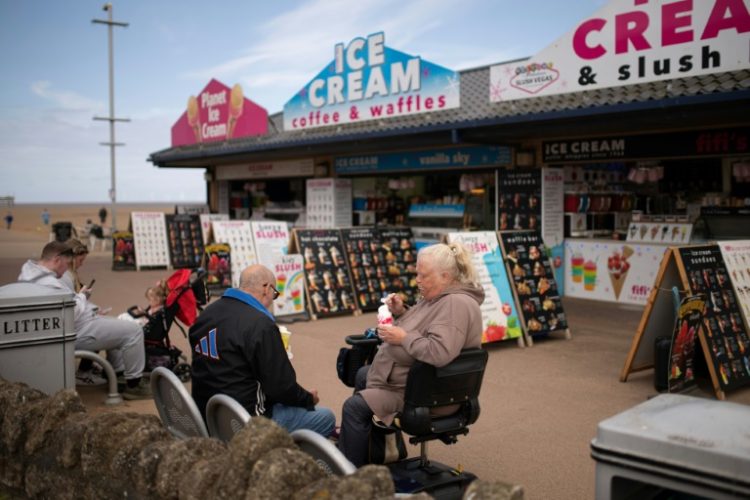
(454, 259)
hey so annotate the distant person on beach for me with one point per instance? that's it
(8, 220)
(45, 217)
(103, 215)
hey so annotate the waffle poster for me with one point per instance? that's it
(289, 272)
(500, 319)
(534, 281)
(726, 337)
(366, 258)
(682, 352)
(326, 272)
(611, 270)
(401, 262)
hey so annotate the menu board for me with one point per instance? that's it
(206, 220)
(329, 202)
(682, 351)
(400, 255)
(238, 235)
(290, 283)
(123, 251)
(553, 197)
(499, 315)
(150, 238)
(670, 233)
(218, 266)
(185, 240)
(271, 240)
(326, 272)
(534, 282)
(726, 336)
(366, 258)
(737, 259)
(519, 199)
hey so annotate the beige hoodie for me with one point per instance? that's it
(436, 331)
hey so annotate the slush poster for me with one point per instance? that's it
(499, 316)
(368, 81)
(290, 283)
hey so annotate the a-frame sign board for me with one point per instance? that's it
(723, 336)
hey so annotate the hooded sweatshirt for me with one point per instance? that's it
(34, 272)
(436, 332)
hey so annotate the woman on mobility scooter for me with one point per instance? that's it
(446, 320)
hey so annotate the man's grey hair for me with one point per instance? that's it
(254, 277)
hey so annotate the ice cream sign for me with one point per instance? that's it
(219, 113)
(631, 42)
(366, 81)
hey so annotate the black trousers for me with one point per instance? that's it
(356, 422)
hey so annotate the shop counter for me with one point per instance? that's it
(611, 270)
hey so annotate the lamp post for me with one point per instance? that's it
(111, 118)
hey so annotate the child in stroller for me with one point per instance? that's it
(180, 297)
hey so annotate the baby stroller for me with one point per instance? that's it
(187, 296)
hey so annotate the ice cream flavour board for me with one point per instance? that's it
(239, 236)
(723, 336)
(150, 237)
(534, 286)
(327, 275)
(185, 240)
(366, 258)
(401, 262)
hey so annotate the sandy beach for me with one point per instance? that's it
(540, 405)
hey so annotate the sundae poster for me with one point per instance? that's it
(326, 272)
(499, 316)
(612, 271)
(401, 262)
(218, 266)
(123, 251)
(217, 114)
(737, 259)
(271, 241)
(682, 353)
(290, 283)
(366, 257)
(366, 80)
(726, 339)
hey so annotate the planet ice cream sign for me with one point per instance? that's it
(219, 113)
(367, 81)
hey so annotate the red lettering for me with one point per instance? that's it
(428, 103)
(739, 18)
(671, 21)
(629, 27)
(441, 101)
(580, 45)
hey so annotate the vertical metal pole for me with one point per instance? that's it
(113, 184)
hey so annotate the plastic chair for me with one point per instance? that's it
(177, 410)
(225, 417)
(324, 452)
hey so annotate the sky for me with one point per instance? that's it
(54, 76)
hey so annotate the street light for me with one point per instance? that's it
(111, 118)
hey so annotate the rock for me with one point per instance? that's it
(143, 473)
(11, 472)
(493, 490)
(202, 479)
(257, 438)
(321, 489)
(21, 404)
(150, 431)
(54, 412)
(58, 483)
(280, 473)
(370, 481)
(67, 441)
(179, 457)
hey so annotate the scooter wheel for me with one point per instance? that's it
(183, 371)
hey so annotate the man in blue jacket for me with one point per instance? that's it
(238, 351)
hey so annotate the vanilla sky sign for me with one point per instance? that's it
(219, 113)
(366, 81)
(630, 42)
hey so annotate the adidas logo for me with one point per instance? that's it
(206, 346)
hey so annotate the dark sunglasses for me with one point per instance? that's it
(276, 293)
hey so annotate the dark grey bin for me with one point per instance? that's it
(37, 338)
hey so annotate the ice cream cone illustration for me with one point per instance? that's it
(236, 102)
(193, 116)
(643, 230)
(618, 267)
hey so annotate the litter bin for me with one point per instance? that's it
(63, 231)
(38, 337)
(674, 445)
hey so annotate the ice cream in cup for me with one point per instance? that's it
(297, 299)
(281, 283)
(236, 103)
(577, 267)
(589, 275)
(193, 117)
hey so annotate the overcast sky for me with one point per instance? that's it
(54, 73)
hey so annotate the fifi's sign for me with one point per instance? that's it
(635, 42)
(219, 113)
(366, 81)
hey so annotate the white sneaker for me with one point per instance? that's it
(89, 378)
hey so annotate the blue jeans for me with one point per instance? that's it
(321, 420)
